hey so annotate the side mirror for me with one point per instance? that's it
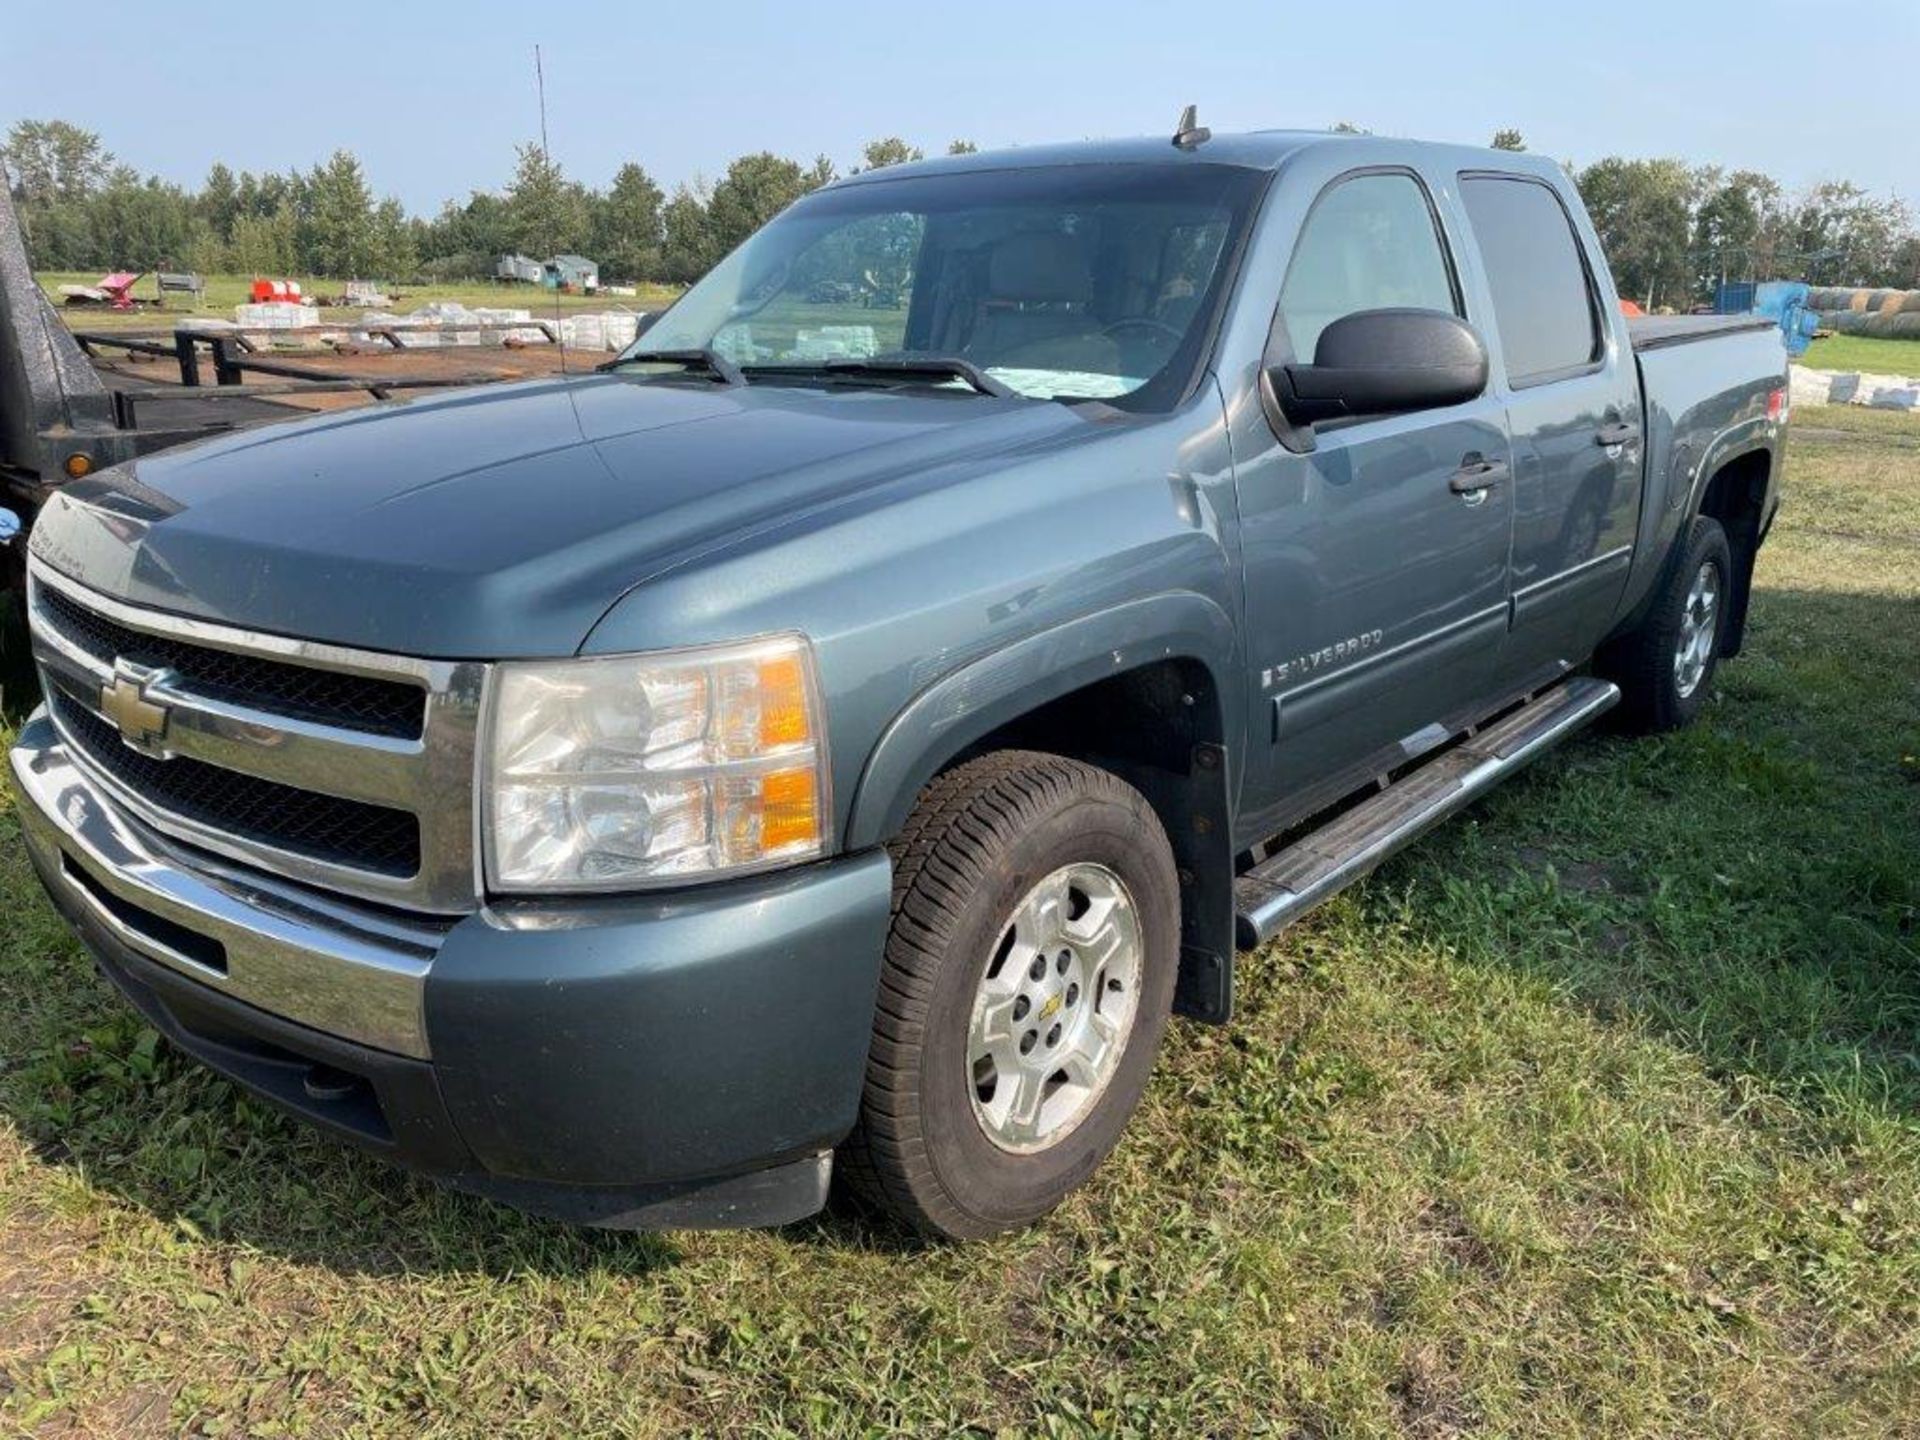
(1383, 362)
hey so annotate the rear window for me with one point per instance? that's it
(1541, 298)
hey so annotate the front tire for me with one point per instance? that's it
(1027, 983)
(1665, 667)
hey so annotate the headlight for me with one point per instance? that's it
(621, 771)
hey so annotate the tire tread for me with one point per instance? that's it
(964, 817)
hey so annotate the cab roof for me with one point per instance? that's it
(1252, 150)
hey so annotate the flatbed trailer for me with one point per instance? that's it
(72, 403)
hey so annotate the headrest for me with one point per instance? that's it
(1040, 268)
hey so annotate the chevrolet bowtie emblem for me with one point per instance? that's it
(141, 722)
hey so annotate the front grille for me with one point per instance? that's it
(303, 822)
(326, 697)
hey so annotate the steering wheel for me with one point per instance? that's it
(1143, 322)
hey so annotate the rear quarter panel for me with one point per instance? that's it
(1705, 404)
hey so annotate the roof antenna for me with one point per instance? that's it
(1190, 133)
(546, 158)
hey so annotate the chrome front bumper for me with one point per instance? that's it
(349, 970)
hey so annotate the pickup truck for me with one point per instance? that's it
(837, 735)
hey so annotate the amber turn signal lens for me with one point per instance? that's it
(78, 465)
(783, 702)
(788, 815)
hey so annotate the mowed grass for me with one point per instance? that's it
(223, 292)
(1594, 1114)
(1870, 354)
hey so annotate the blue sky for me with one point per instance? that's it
(433, 96)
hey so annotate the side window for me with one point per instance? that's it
(1369, 243)
(1542, 300)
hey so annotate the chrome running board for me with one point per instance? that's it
(1315, 868)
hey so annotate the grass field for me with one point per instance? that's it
(1593, 1115)
(1864, 353)
(223, 292)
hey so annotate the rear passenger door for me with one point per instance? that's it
(1375, 592)
(1573, 410)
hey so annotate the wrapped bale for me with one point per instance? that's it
(1911, 306)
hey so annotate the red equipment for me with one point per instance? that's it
(119, 287)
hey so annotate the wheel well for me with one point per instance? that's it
(1735, 497)
(1161, 729)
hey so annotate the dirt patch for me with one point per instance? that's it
(1447, 1231)
(1578, 877)
(1428, 1395)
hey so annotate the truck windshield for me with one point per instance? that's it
(1088, 282)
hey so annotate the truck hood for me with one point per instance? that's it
(501, 522)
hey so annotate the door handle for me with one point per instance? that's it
(1476, 476)
(1620, 432)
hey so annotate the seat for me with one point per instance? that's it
(1038, 314)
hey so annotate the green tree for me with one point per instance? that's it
(962, 147)
(627, 233)
(57, 171)
(392, 255)
(1906, 264)
(219, 201)
(264, 245)
(547, 214)
(480, 230)
(1848, 235)
(1509, 139)
(51, 160)
(891, 151)
(687, 248)
(754, 190)
(60, 236)
(1737, 228)
(142, 224)
(1643, 211)
(338, 236)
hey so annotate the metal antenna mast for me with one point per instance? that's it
(540, 84)
(546, 160)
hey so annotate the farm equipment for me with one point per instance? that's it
(115, 290)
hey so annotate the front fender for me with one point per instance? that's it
(959, 709)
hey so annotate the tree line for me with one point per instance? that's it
(84, 210)
(1671, 230)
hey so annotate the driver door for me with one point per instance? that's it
(1376, 593)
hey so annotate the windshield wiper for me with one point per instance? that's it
(906, 367)
(695, 362)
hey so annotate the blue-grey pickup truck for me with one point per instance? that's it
(838, 734)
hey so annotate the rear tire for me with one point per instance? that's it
(1028, 979)
(1665, 667)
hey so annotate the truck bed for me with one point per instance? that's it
(1652, 332)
